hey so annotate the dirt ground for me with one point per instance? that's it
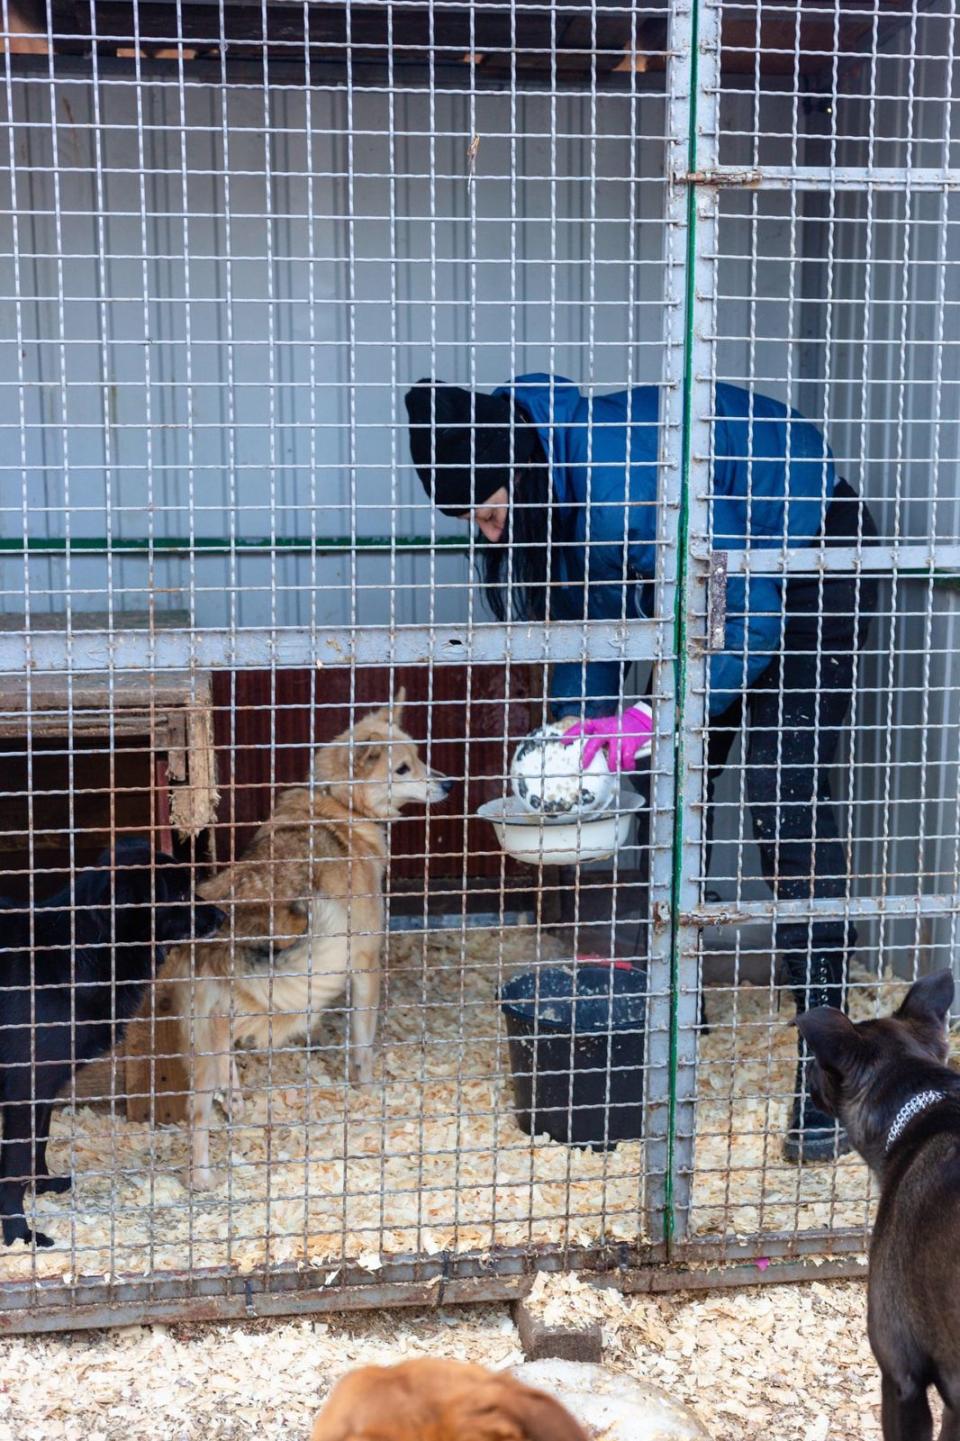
(790, 1362)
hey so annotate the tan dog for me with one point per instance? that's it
(438, 1400)
(312, 877)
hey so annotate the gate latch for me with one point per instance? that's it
(717, 601)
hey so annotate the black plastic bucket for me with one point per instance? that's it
(576, 1037)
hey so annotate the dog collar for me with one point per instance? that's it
(908, 1110)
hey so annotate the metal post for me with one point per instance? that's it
(677, 814)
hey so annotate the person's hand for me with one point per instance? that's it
(623, 736)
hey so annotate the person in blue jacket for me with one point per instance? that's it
(564, 490)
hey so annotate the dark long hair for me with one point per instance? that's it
(516, 570)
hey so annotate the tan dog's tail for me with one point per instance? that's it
(505, 1410)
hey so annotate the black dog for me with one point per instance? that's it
(67, 993)
(887, 1082)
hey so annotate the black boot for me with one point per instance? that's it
(812, 1135)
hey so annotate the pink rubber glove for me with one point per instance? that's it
(623, 735)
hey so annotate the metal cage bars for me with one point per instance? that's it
(676, 641)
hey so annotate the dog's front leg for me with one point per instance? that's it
(16, 1173)
(906, 1417)
(43, 1181)
(199, 1114)
(364, 1005)
(229, 1094)
(235, 1093)
(214, 1055)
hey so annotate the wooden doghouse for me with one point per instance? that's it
(101, 754)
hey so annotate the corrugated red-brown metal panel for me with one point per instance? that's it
(265, 723)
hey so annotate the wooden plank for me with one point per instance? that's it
(143, 693)
(163, 828)
(86, 725)
(26, 28)
(540, 1342)
(171, 711)
(194, 803)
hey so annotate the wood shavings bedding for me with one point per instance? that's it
(220, 1383)
(790, 1362)
(317, 1172)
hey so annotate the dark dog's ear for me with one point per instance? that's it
(831, 1036)
(170, 881)
(207, 918)
(93, 887)
(127, 851)
(929, 999)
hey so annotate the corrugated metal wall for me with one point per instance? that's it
(225, 342)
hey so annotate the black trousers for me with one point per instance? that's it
(792, 720)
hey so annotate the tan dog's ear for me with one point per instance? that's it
(328, 760)
(367, 757)
(396, 708)
(506, 1410)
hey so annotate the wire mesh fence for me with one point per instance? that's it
(344, 1047)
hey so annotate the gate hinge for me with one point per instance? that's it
(717, 601)
(744, 179)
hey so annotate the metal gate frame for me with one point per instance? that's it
(678, 645)
(694, 68)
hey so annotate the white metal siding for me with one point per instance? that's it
(228, 348)
(262, 374)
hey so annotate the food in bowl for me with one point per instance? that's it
(549, 778)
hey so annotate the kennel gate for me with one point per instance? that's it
(784, 206)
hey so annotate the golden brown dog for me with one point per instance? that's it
(439, 1400)
(313, 878)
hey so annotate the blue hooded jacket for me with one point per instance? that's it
(760, 498)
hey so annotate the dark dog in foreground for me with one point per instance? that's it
(886, 1081)
(68, 989)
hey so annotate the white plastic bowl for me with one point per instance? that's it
(560, 840)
